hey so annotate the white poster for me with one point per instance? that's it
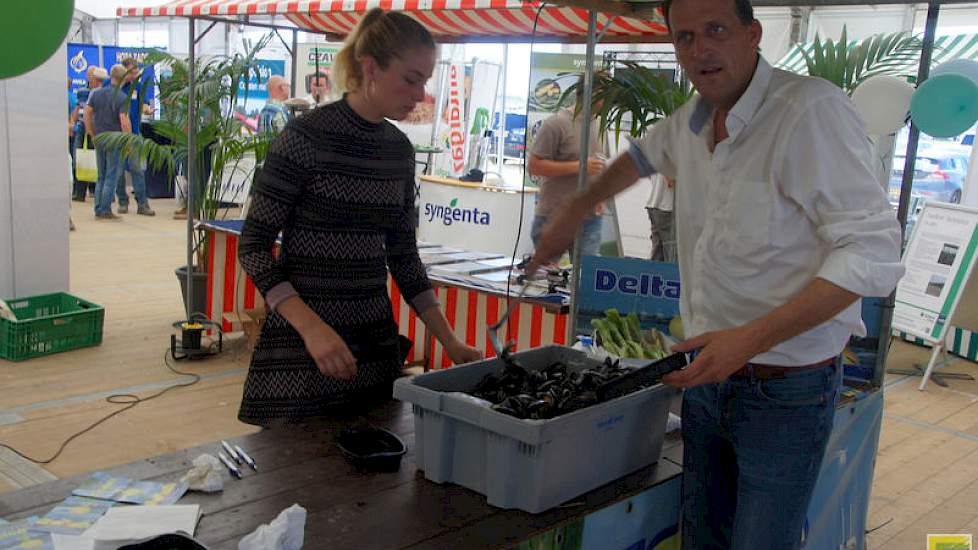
(938, 260)
(313, 72)
(451, 128)
(474, 219)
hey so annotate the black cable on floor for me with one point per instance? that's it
(127, 399)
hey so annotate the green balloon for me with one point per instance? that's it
(30, 32)
(945, 105)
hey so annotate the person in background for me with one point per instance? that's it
(94, 77)
(138, 106)
(319, 88)
(659, 208)
(556, 158)
(106, 111)
(274, 116)
(781, 228)
(330, 339)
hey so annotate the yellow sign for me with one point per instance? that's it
(948, 542)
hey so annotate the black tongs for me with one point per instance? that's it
(646, 375)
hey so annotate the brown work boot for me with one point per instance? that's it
(180, 214)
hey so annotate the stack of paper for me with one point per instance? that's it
(73, 516)
(123, 525)
(122, 489)
(18, 535)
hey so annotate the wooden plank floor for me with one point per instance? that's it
(926, 477)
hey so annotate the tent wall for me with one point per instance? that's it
(35, 181)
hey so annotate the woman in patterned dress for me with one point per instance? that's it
(338, 183)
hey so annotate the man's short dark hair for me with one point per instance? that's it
(129, 63)
(745, 11)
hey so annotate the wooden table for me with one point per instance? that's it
(347, 509)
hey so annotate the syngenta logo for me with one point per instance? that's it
(453, 214)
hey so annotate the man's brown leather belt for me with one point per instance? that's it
(769, 372)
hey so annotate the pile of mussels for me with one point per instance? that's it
(543, 394)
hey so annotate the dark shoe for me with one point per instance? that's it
(145, 211)
(107, 216)
(78, 199)
(71, 225)
(123, 209)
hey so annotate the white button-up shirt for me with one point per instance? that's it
(789, 196)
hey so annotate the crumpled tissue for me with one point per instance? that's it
(286, 532)
(205, 475)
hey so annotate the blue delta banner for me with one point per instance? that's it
(80, 58)
(650, 289)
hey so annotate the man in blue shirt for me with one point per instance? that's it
(274, 116)
(106, 112)
(94, 78)
(138, 105)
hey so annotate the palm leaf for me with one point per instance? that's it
(847, 64)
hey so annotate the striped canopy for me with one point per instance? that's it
(946, 48)
(447, 20)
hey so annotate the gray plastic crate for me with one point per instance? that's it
(532, 465)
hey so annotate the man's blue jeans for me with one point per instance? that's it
(137, 169)
(590, 234)
(752, 452)
(109, 174)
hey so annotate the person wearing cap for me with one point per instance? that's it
(94, 77)
(107, 111)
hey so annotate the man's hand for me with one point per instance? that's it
(329, 351)
(595, 165)
(721, 353)
(460, 353)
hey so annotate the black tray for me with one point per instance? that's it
(372, 449)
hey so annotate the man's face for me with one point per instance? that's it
(280, 91)
(132, 74)
(717, 50)
(319, 85)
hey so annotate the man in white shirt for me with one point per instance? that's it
(781, 228)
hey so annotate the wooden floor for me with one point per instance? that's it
(926, 477)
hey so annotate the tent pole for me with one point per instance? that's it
(191, 164)
(582, 175)
(886, 327)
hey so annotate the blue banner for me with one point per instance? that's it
(650, 289)
(80, 58)
(258, 83)
(112, 55)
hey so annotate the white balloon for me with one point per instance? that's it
(883, 101)
(963, 67)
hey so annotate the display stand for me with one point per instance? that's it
(940, 261)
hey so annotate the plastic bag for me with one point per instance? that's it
(286, 532)
(205, 475)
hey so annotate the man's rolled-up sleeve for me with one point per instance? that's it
(828, 170)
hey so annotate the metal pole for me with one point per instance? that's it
(295, 60)
(191, 165)
(501, 138)
(582, 175)
(886, 327)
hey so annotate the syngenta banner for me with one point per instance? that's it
(452, 213)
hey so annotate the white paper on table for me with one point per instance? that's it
(84, 541)
(126, 524)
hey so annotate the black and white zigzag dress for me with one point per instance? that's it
(341, 191)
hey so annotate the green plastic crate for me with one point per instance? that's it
(49, 323)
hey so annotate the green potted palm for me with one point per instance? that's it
(847, 63)
(222, 139)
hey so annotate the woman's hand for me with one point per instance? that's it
(329, 351)
(460, 353)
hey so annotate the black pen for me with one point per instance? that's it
(248, 459)
(227, 448)
(231, 467)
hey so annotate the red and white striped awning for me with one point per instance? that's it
(448, 20)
